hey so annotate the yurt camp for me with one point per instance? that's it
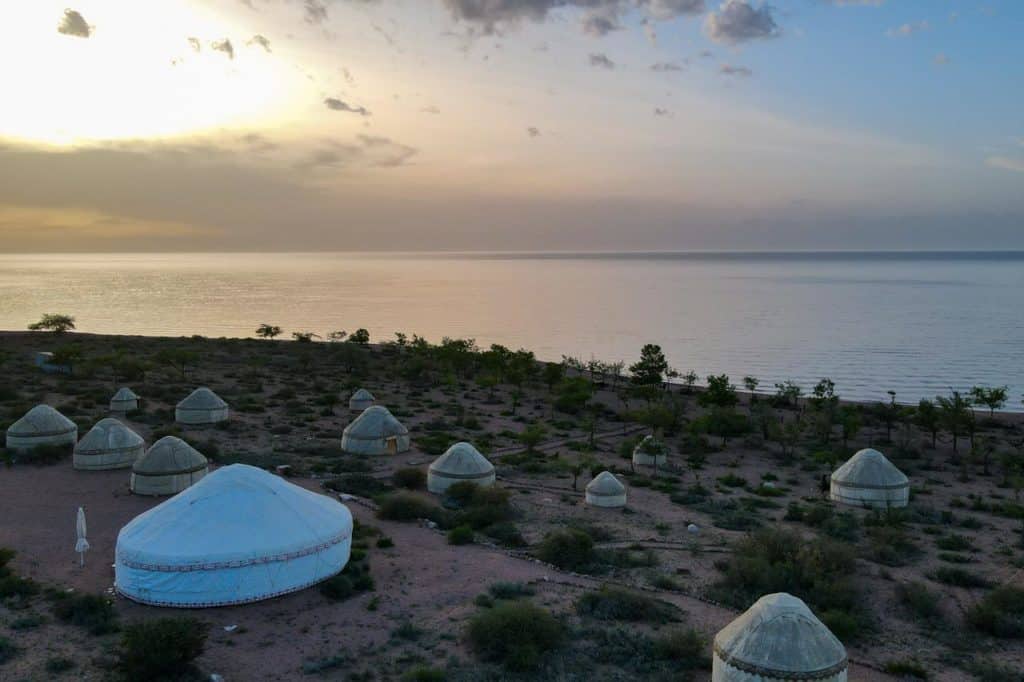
(461, 462)
(168, 467)
(869, 479)
(240, 535)
(778, 639)
(124, 400)
(375, 432)
(108, 445)
(605, 491)
(361, 400)
(202, 406)
(650, 452)
(41, 426)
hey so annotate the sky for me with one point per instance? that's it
(529, 125)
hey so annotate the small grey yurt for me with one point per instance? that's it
(108, 445)
(461, 462)
(202, 406)
(778, 639)
(124, 400)
(167, 468)
(868, 479)
(375, 432)
(606, 491)
(650, 452)
(42, 425)
(361, 400)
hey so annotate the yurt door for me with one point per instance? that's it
(393, 445)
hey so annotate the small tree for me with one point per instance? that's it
(178, 358)
(651, 368)
(68, 356)
(552, 374)
(305, 337)
(955, 411)
(268, 331)
(360, 336)
(51, 322)
(531, 437)
(337, 336)
(162, 649)
(719, 393)
(992, 398)
(849, 419)
(750, 383)
(927, 417)
(690, 380)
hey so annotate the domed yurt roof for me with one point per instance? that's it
(202, 399)
(124, 394)
(870, 469)
(375, 422)
(462, 460)
(238, 535)
(169, 455)
(651, 446)
(108, 434)
(605, 484)
(780, 638)
(362, 395)
(41, 420)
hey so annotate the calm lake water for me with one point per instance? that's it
(913, 323)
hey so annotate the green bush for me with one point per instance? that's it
(515, 634)
(905, 669)
(686, 648)
(361, 485)
(403, 506)
(409, 478)
(337, 588)
(7, 650)
(570, 550)
(424, 674)
(959, 577)
(460, 535)
(95, 613)
(59, 664)
(510, 590)
(616, 603)
(954, 543)
(1000, 613)
(161, 650)
(919, 600)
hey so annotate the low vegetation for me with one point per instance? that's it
(515, 634)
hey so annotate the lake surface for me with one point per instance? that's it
(915, 323)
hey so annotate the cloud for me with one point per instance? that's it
(533, 132)
(658, 111)
(663, 10)
(315, 10)
(600, 23)
(663, 67)
(224, 46)
(855, 3)
(737, 21)
(602, 16)
(74, 24)
(601, 61)
(262, 41)
(730, 70)
(1006, 163)
(908, 29)
(335, 104)
(430, 110)
(367, 151)
(941, 59)
(195, 44)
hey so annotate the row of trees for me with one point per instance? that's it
(272, 331)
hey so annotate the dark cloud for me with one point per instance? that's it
(366, 151)
(262, 41)
(74, 24)
(602, 16)
(601, 61)
(195, 44)
(663, 10)
(665, 67)
(533, 132)
(224, 46)
(335, 104)
(600, 23)
(737, 21)
(658, 111)
(315, 10)
(730, 70)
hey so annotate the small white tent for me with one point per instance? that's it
(240, 535)
(375, 432)
(167, 468)
(361, 400)
(42, 425)
(650, 452)
(124, 400)
(778, 639)
(108, 445)
(461, 462)
(605, 491)
(202, 406)
(869, 479)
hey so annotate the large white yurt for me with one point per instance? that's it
(650, 452)
(605, 491)
(375, 432)
(202, 406)
(869, 479)
(108, 445)
(461, 462)
(778, 639)
(42, 425)
(124, 400)
(167, 468)
(361, 400)
(240, 535)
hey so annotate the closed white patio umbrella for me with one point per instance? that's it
(81, 545)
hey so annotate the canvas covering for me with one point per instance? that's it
(375, 432)
(42, 425)
(361, 400)
(870, 479)
(167, 468)
(461, 462)
(605, 491)
(108, 445)
(201, 406)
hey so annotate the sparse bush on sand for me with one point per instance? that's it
(162, 650)
(514, 634)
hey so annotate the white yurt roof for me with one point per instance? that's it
(375, 422)
(169, 455)
(870, 469)
(779, 637)
(236, 516)
(652, 445)
(202, 399)
(125, 393)
(605, 484)
(41, 420)
(108, 434)
(362, 394)
(462, 460)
